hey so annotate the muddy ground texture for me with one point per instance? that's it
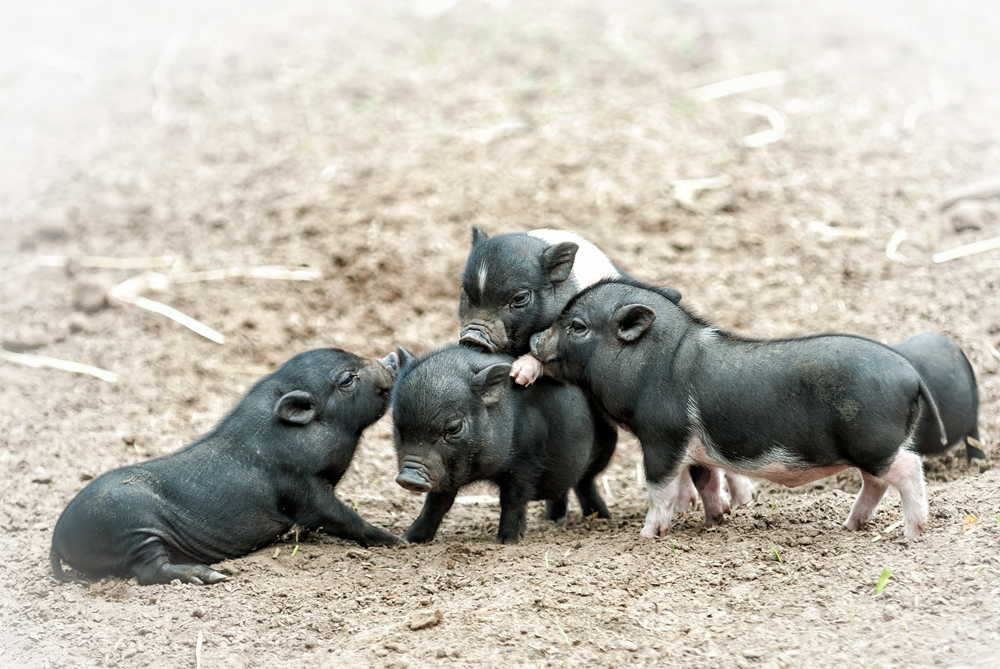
(363, 145)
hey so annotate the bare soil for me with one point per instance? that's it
(362, 140)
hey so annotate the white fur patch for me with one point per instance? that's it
(590, 265)
(662, 500)
(482, 278)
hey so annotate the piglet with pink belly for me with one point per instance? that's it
(787, 410)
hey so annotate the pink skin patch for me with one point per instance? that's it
(687, 496)
(526, 370)
(714, 497)
(740, 489)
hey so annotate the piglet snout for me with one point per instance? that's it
(413, 479)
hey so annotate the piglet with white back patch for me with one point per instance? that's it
(787, 410)
(515, 284)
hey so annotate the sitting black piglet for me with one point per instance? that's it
(459, 418)
(271, 464)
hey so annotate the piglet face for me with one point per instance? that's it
(590, 334)
(440, 420)
(508, 290)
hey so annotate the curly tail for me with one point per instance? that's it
(934, 409)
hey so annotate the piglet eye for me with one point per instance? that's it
(520, 299)
(347, 381)
(577, 326)
(453, 429)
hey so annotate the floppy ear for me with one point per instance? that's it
(557, 260)
(671, 294)
(633, 320)
(492, 382)
(478, 235)
(297, 407)
(405, 357)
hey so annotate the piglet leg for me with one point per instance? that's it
(687, 494)
(436, 505)
(867, 501)
(155, 567)
(907, 475)
(708, 481)
(526, 370)
(340, 521)
(662, 499)
(740, 489)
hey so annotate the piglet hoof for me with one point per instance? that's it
(526, 370)
(718, 517)
(652, 530)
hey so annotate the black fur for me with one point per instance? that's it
(458, 418)
(271, 464)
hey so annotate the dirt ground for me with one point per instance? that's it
(362, 140)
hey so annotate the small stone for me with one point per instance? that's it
(198, 613)
(805, 541)
(423, 619)
(889, 613)
(629, 646)
(359, 553)
(441, 652)
(753, 654)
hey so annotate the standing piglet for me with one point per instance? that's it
(515, 284)
(271, 464)
(787, 410)
(458, 418)
(948, 374)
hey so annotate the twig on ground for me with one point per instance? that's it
(686, 190)
(750, 82)
(197, 650)
(262, 272)
(40, 361)
(607, 489)
(981, 246)
(777, 121)
(892, 248)
(128, 292)
(96, 262)
(831, 231)
(977, 190)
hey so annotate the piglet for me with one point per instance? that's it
(271, 464)
(458, 418)
(786, 410)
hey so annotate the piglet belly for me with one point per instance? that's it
(773, 471)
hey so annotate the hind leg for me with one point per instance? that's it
(740, 489)
(555, 510)
(155, 567)
(906, 474)
(708, 481)
(867, 501)
(590, 500)
(687, 496)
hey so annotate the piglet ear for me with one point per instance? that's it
(405, 357)
(492, 382)
(297, 407)
(633, 320)
(478, 235)
(557, 260)
(671, 294)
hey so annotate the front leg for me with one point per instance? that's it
(337, 519)
(662, 460)
(526, 370)
(513, 513)
(436, 505)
